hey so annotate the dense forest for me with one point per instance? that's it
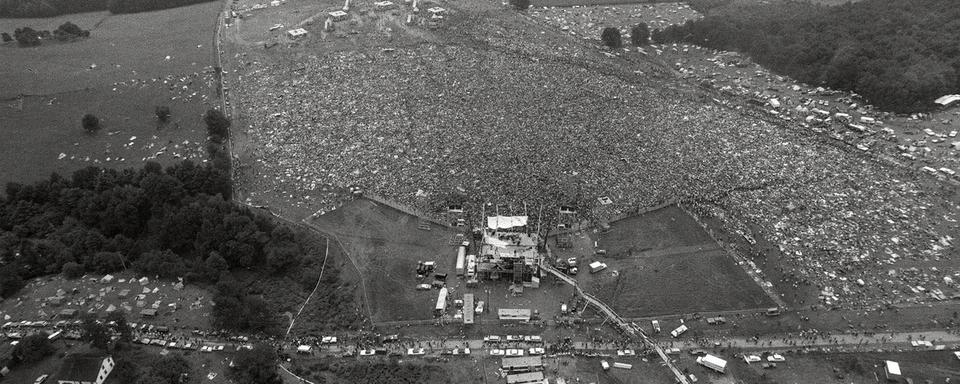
(899, 54)
(170, 223)
(49, 8)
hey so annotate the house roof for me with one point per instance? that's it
(80, 367)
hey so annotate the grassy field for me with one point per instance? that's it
(95, 297)
(661, 263)
(129, 65)
(386, 245)
(859, 368)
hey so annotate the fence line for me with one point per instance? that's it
(404, 208)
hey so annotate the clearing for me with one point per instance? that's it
(129, 65)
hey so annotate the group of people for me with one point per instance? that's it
(437, 125)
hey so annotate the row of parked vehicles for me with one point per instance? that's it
(513, 338)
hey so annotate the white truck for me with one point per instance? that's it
(712, 362)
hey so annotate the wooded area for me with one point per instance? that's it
(168, 223)
(900, 55)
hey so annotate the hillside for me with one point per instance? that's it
(495, 108)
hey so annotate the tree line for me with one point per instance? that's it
(29, 37)
(49, 8)
(166, 223)
(899, 54)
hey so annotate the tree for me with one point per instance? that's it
(33, 348)
(282, 250)
(168, 369)
(6, 37)
(72, 270)
(256, 366)
(218, 126)
(95, 333)
(163, 113)
(120, 319)
(27, 37)
(90, 123)
(611, 37)
(520, 5)
(125, 371)
(68, 31)
(10, 281)
(640, 34)
(215, 265)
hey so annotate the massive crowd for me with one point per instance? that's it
(433, 125)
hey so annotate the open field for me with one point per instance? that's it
(859, 368)
(129, 65)
(655, 231)
(662, 263)
(386, 245)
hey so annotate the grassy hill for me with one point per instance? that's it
(494, 108)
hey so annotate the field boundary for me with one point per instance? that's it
(740, 259)
(326, 254)
(346, 252)
(403, 208)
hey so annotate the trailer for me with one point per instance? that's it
(597, 266)
(712, 362)
(679, 331)
(461, 259)
(622, 365)
(441, 302)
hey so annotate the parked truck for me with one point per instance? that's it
(712, 362)
(461, 259)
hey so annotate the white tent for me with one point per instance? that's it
(505, 222)
(947, 99)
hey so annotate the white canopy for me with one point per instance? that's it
(504, 222)
(947, 99)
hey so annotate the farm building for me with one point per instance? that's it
(297, 33)
(84, 368)
(508, 314)
(522, 364)
(509, 250)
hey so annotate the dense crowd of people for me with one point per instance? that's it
(436, 125)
